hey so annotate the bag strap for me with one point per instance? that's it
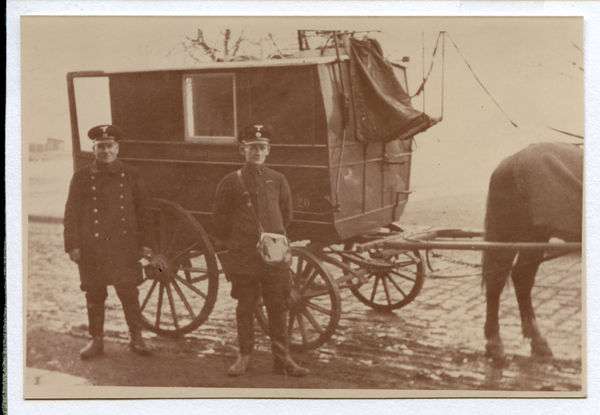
(249, 200)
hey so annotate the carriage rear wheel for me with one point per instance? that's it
(182, 280)
(393, 279)
(314, 305)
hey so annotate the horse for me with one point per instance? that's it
(534, 195)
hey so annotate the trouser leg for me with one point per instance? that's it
(275, 289)
(244, 316)
(278, 332)
(246, 290)
(131, 307)
(245, 328)
(133, 316)
(95, 299)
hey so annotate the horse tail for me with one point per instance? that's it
(486, 224)
(503, 216)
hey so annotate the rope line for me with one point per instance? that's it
(476, 78)
(564, 132)
(443, 61)
(426, 78)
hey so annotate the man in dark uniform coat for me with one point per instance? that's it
(106, 221)
(236, 227)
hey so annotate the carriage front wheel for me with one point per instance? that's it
(181, 282)
(314, 303)
(393, 279)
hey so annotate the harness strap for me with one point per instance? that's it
(249, 200)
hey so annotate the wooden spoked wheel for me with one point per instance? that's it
(393, 279)
(182, 280)
(314, 303)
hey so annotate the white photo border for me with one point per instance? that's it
(14, 288)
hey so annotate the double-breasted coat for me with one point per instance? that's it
(107, 218)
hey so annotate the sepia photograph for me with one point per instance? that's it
(310, 207)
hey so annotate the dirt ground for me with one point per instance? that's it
(435, 343)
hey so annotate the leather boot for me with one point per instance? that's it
(133, 317)
(245, 330)
(96, 330)
(137, 345)
(284, 365)
(93, 348)
(241, 366)
(282, 361)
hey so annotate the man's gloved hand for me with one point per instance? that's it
(75, 255)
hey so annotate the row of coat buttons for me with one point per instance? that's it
(122, 175)
(94, 198)
(94, 188)
(96, 235)
(96, 210)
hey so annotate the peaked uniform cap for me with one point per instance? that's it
(256, 133)
(105, 132)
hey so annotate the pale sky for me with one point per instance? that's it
(529, 65)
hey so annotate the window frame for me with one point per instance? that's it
(188, 106)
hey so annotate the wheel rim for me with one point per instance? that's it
(314, 303)
(392, 286)
(181, 282)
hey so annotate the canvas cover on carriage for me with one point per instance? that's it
(383, 110)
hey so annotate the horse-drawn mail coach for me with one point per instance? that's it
(343, 127)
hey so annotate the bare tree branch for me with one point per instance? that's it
(199, 41)
(276, 47)
(226, 37)
(238, 42)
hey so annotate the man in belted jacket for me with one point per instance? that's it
(236, 226)
(105, 231)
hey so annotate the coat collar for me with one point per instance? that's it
(114, 167)
(250, 168)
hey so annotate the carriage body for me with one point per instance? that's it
(348, 170)
(180, 129)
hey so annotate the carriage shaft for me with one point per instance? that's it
(471, 245)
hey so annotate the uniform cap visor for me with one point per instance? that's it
(257, 141)
(104, 139)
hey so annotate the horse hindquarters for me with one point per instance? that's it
(507, 219)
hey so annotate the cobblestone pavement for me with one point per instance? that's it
(439, 334)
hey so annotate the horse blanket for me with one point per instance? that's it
(540, 185)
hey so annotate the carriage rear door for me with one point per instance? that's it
(396, 164)
(89, 105)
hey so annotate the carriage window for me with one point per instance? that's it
(210, 108)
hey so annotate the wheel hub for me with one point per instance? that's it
(378, 265)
